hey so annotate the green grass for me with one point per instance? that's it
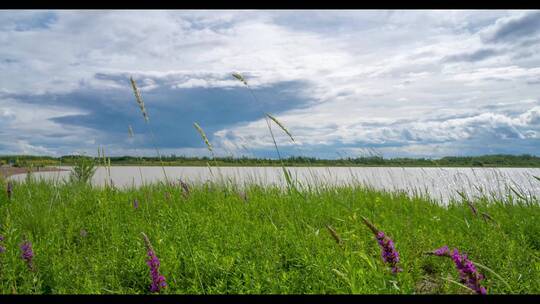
(214, 242)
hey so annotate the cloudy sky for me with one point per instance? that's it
(405, 83)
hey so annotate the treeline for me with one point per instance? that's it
(499, 160)
(28, 161)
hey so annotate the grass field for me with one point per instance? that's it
(213, 240)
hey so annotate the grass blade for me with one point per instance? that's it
(494, 273)
(458, 284)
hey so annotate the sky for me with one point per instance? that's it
(426, 83)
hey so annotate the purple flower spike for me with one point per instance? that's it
(27, 253)
(388, 251)
(2, 248)
(443, 251)
(468, 273)
(135, 203)
(158, 280)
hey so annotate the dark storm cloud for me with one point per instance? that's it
(477, 55)
(515, 28)
(172, 111)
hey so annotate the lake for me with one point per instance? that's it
(439, 183)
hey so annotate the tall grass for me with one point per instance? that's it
(140, 102)
(213, 242)
(131, 135)
(208, 145)
(291, 184)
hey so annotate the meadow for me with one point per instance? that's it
(214, 239)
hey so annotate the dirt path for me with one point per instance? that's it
(9, 171)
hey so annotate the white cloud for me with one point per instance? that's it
(22, 124)
(310, 130)
(499, 73)
(372, 77)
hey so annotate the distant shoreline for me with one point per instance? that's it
(484, 161)
(309, 165)
(62, 167)
(9, 171)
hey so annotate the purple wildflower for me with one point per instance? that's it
(158, 280)
(388, 251)
(443, 251)
(27, 253)
(136, 203)
(468, 273)
(9, 190)
(2, 248)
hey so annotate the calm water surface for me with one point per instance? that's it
(438, 183)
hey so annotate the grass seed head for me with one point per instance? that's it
(334, 234)
(203, 135)
(370, 225)
(240, 77)
(139, 99)
(281, 126)
(185, 188)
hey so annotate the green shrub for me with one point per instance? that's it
(83, 171)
